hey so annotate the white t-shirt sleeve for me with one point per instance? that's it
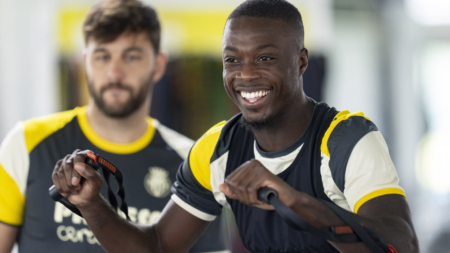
(356, 166)
(14, 165)
(370, 171)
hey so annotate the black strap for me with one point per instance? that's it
(293, 220)
(107, 170)
(363, 234)
(121, 193)
(111, 196)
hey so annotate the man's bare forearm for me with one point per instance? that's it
(396, 231)
(116, 234)
(8, 235)
(395, 228)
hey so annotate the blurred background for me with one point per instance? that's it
(387, 58)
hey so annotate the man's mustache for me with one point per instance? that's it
(117, 86)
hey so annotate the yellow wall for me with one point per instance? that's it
(187, 32)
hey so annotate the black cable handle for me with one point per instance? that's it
(361, 233)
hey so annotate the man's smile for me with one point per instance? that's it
(253, 97)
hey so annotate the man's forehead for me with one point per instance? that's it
(257, 27)
(258, 31)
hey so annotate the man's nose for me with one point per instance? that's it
(116, 72)
(248, 72)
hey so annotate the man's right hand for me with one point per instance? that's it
(67, 176)
(175, 231)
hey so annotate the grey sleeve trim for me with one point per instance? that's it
(341, 143)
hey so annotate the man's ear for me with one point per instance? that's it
(303, 60)
(160, 67)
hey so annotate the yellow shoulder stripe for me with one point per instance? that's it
(201, 153)
(377, 194)
(343, 115)
(38, 129)
(12, 202)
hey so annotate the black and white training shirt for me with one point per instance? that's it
(341, 157)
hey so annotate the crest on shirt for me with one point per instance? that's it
(157, 182)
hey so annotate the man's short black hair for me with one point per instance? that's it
(272, 9)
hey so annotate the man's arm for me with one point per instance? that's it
(175, 231)
(8, 235)
(387, 215)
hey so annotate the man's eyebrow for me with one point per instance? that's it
(233, 49)
(260, 47)
(100, 50)
(266, 46)
(130, 49)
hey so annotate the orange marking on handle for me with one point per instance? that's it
(392, 249)
(107, 164)
(92, 156)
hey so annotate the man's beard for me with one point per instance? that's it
(269, 121)
(258, 126)
(134, 102)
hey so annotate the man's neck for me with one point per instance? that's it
(288, 128)
(118, 130)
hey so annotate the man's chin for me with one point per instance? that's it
(117, 111)
(257, 123)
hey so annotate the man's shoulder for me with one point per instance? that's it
(16, 161)
(37, 129)
(212, 135)
(205, 145)
(202, 170)
(216, 141)
(346, 130)
(51, 121)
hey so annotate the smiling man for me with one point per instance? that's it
(123, 62)
(306, 151)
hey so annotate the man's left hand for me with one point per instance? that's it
(244, 182)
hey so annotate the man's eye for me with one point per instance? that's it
(230, 60)
(132, 58)
(102, 58)
(265, 58)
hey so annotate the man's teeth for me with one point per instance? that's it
(252, 95)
